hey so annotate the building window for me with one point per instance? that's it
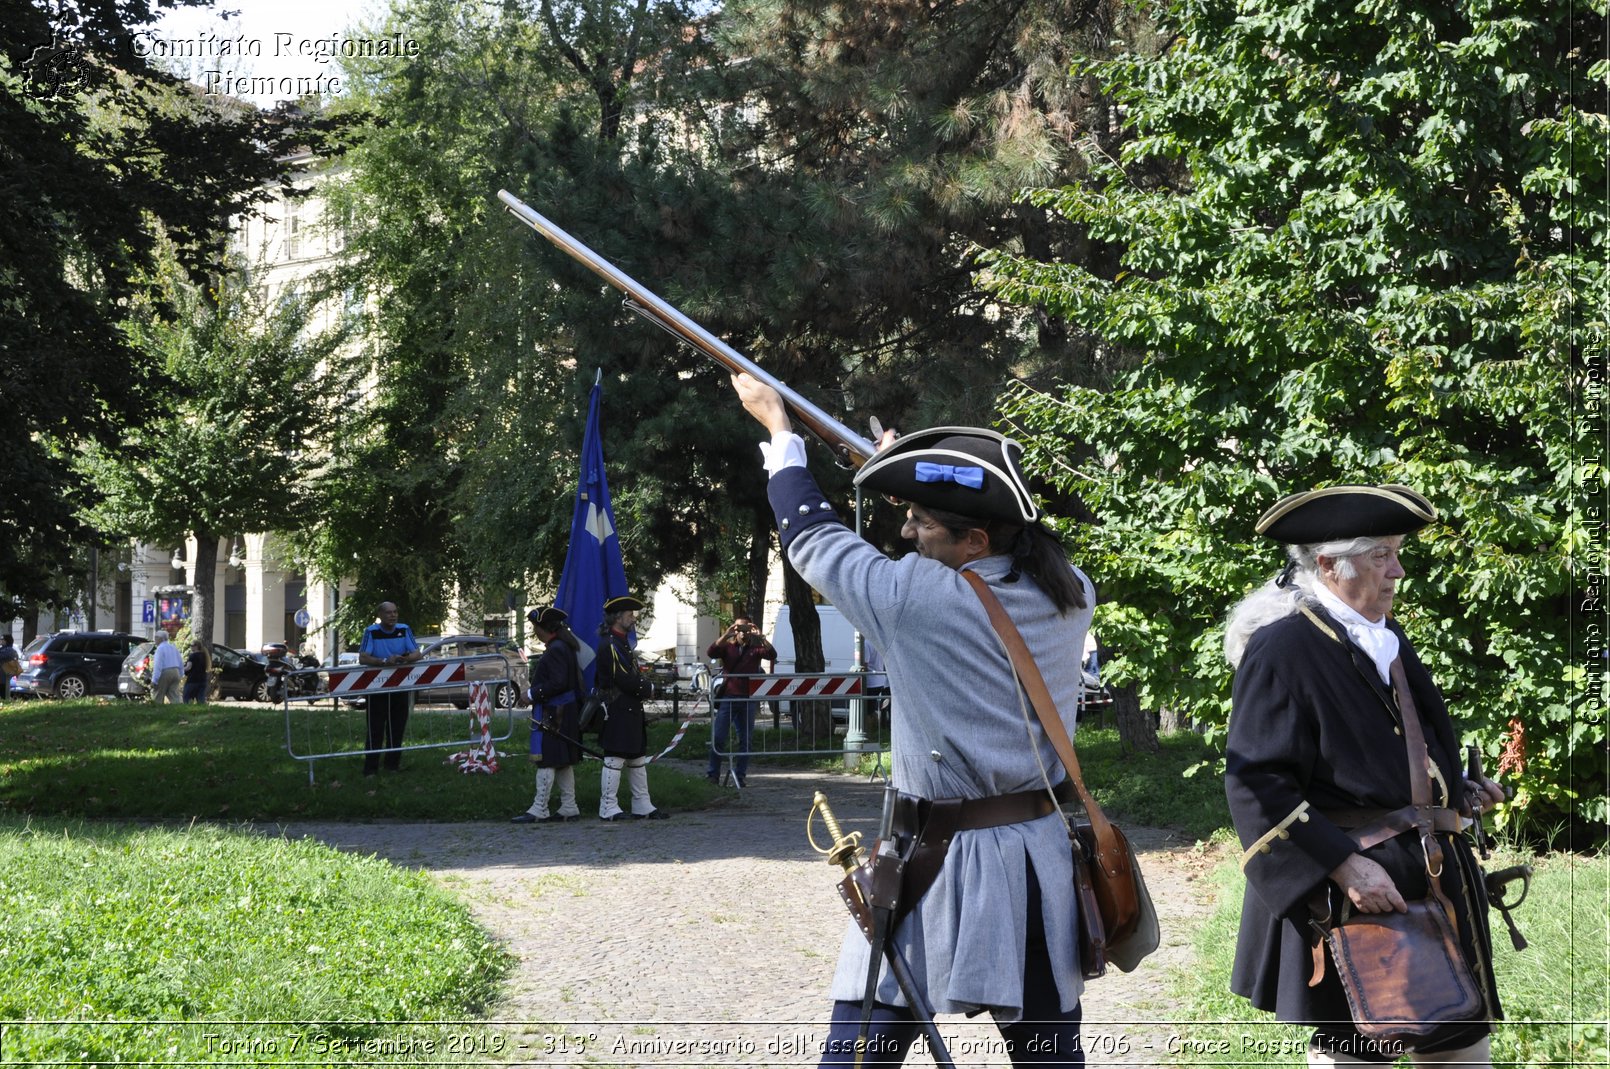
(293, 231)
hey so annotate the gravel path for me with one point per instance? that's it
(710, 939)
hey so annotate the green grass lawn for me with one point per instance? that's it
(129, 944)
(230, 763)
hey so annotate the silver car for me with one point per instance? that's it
(510, 675)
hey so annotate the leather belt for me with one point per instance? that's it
(1369, 827)
(1001, 809)
(939, 819)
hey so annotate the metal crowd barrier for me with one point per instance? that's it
(334, 707)
(812, 713)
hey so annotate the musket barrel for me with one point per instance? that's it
(650, 305)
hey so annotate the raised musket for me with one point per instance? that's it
(851, 447)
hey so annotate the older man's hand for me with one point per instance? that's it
(1367, 886)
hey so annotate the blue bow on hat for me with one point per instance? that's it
(927, 472)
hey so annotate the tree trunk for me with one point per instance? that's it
(815, 718)
(759, 551)
(807, 624)
(1136, 731)
(204, 579)
(1171, 721)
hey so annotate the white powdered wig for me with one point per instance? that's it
(1272, 602)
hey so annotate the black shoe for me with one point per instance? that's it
(740, 781)
(652, 814)
(713, 778)
(622, 815)
(557, 818)
(523, 818)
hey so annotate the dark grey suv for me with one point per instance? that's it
(73, 664)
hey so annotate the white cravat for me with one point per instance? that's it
(1377, 640)
(785, 450)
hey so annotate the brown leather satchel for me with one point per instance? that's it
(1128, 923)
(1404, 974)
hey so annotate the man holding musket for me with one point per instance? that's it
(985, 920)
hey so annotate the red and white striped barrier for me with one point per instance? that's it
(807, 686)
(416, 676)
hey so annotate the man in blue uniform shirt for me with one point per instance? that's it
(386, 642)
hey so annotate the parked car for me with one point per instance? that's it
(73, 664)
(239, 675)
(513, 668)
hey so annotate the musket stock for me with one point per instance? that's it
(851, 447)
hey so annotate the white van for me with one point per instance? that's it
(838, 640)
(838, 649)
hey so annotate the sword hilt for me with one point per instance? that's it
(846, 850)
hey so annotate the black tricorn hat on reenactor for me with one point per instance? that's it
(622, 604)
(965, 470)
(1337, 513)
(548, 617)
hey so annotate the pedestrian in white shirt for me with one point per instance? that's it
(167, 671)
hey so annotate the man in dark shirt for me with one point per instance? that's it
(741, 649)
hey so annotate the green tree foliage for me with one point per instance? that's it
(881, 141)
(489, 339)
(1383, 261)
(863, 147)
(99, 154)
(245, 406)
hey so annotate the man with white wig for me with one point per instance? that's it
(1330, 705)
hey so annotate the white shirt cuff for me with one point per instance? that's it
(785, 450)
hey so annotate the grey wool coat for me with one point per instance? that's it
(961, 729)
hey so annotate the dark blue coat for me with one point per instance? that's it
(1313, 723)
(555, 704)
(625, 731)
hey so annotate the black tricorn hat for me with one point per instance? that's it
(623, 603)
(548, 617)
(966, 470)
(1341, 512)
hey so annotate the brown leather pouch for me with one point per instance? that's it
(1092, 932)
(1403, 972)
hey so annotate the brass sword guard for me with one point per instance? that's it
(846, 850)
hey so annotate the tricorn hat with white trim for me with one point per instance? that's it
(965, 470)
(548, 617)
(1336, 513)
(622, 603)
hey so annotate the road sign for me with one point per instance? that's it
(303, 617)
(148, 612)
